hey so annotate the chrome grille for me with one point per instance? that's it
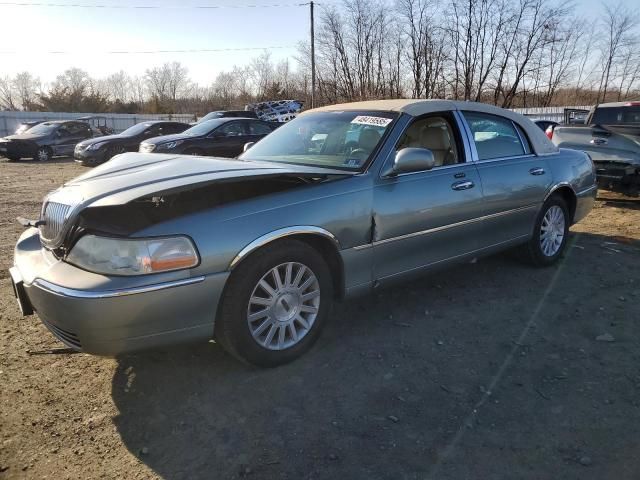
(54, 215)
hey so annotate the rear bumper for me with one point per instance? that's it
(615, 171)
(114, 317)
(618, 177)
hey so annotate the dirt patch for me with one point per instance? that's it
(486, 370)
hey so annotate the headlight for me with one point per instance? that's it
(146, 147)
(96, 146)
(169, 145)
(120, 256)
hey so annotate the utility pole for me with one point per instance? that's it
(313, 60)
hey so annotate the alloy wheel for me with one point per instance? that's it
(283, 306)
(43, 154)
(552, 231)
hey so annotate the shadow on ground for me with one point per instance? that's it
(486, 370)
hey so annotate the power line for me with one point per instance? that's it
(147, 7)
(143, 52)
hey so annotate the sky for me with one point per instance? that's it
(87, 33)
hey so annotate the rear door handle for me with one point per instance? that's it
(464, 185)
(537, 171)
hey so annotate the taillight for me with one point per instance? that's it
(632, 104)
(549, 132)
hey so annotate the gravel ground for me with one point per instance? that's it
(489, 370)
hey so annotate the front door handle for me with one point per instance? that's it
(465, 185)
(537, 171)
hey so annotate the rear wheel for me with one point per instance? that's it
(275, 304)
(43, 154)
(550, 234)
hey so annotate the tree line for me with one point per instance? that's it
(510, 53)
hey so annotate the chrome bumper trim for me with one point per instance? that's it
(90, 294)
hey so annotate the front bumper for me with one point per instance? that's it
(91, 157)
(18, 149)
(113, 315)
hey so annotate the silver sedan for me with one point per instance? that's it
(150, 250)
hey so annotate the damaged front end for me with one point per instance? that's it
(120, 199)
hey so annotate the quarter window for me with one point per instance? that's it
(494, 136)
(436, 134)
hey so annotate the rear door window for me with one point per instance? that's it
(494, 136)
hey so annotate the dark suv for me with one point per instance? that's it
(45, 140)
(224, 137)
(100, 149)
(227, 114)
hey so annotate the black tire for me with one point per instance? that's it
(232, 327)
(113, 151)
(533, 250)
(43, 154)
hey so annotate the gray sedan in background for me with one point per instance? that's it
(152, 250)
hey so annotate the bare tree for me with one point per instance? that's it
(8, 95)
(118, 86)
(617, 25)
(27, 87)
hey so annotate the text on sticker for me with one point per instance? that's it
(375, 121)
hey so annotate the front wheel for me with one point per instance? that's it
(113, 151)
(275, 304)
(550, 234)
(43, 154)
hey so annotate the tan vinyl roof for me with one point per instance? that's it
(539, 141)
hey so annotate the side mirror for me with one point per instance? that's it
(247, 146)
(410, 160)
(58, 134)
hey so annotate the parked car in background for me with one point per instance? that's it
(611, 136)
(98, 124)
(545, 124)
(152, 250)
(224, 137)
(100, 149)
(228, 113)
(24, 126)
(45, 140)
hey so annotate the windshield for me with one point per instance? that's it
(43, 128)
(136, 129)
(343, 140)
(203, 128)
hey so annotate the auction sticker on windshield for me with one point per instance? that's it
(369, 120)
